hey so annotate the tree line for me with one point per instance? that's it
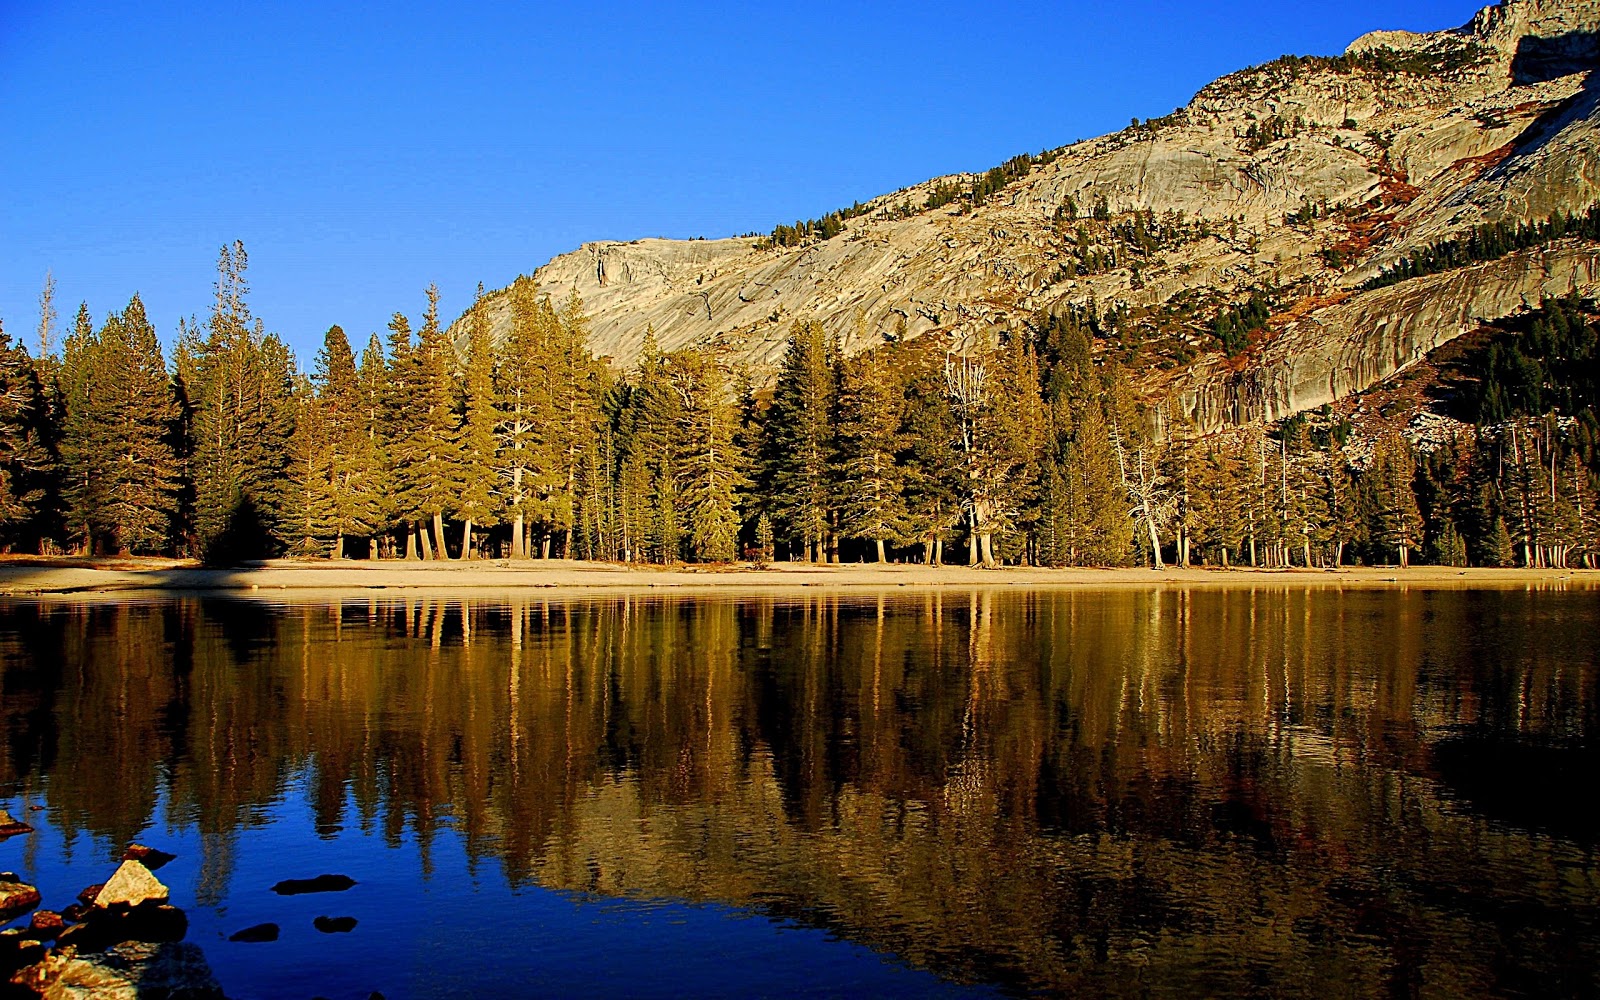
(1033, 450)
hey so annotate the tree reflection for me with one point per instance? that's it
(1058, 789)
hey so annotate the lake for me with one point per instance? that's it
(921, 792)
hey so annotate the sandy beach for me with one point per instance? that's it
(25, 576)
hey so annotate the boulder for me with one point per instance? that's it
(125, 972)
(258, 934)
(16, 899)
(334, 925)
(46, 925)
(10, 826)
(17, 951)
(322, 883)
(147, 856)
(131, 885)
(102, 929)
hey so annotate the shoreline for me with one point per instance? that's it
(34, 576)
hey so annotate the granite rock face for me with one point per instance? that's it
(1412, 137)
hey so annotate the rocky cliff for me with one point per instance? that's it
(1298, 180)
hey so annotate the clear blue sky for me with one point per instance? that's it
(363, 151)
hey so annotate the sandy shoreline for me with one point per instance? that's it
(29, 576)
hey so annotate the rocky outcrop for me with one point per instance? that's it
(1347, 347)
(1408, 139)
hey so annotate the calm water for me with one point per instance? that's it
(1178, 793)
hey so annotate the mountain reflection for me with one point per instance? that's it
(1219, 791)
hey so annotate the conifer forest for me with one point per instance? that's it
(1033, 450)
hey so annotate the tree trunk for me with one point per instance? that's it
(1225, 558)
(425, 543)
(1405, 557)
(519, 548)
(881, 557)
(336, 551)
(938, 552)
(544, 547)
(972, 548)
(438, 535)
(1155, 545)
(466, 539)
(411, 542)
(986, 549)
(1338, 555)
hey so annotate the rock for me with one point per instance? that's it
(128, 971)
(10, 826)
(16, 899)
(131, 885)
(322, 883)
(258, 934)
(86, 897)
(334, 925)
(102, 929)
(147, 856)
(17, 952)
(74, 913)
(46, 925)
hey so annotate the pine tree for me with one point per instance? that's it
(802, 440)
(1396, 519)
(427, 456)
(25, 462)
(521, 408)
(476, 503)
(241, 387)
(871, 401)
(706, 462)
(931, 465)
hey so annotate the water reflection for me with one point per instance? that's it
(1173, 791)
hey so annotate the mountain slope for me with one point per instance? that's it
(1297, 182)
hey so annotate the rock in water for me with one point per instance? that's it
(322, 883)
(131, 885)
(16, 899)
(334, 925)
(147, 856)
(256, 935)
(10, 826)
(125, 972)
(46, 925)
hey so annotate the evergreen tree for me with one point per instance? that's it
(25, 462)
(706, 461)
(427, 457)
(241, 390)
(801, 441)
(476, 502)
(871, 401)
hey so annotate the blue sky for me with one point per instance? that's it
(362, 151)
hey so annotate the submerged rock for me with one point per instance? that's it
(102, 929)
(131, 885)
(128, 971)
(258, 934)
(10, 826)
(150, 857)
(322, 883)
(334, 925)
(16, 899)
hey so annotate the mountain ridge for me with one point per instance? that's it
(1296, 181)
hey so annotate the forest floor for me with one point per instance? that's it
(32, 575)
